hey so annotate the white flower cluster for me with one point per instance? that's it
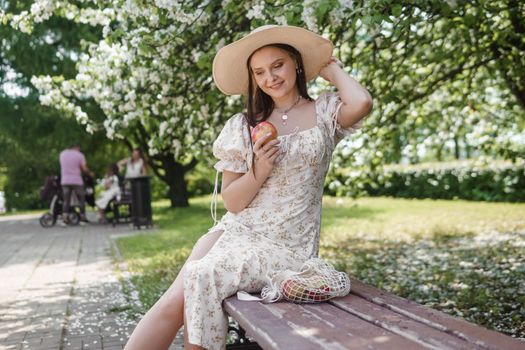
(308, 15)
(52, 95)
(42, 10)
(96, 17)
(21, 22)
(256, 11)
(144, 74)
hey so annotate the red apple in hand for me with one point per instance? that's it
(262, 129)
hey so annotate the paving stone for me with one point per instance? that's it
(15, 337)
(60, 283)
(61, 288)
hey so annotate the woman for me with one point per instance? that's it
(135, 165)
(111, 190)
(272, 191)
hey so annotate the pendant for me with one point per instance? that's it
(284, 118)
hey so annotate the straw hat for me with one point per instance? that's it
(229, 65)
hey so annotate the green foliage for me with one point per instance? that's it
(3, 178)
(31, 135)
(495, 182)
(446, 76)
(159, 189)
(201, 180)
(34, 136)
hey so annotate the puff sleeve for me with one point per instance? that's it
(329, 104)
(232, 146)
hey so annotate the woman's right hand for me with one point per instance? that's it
(265, 155)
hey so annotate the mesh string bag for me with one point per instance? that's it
(317, 281)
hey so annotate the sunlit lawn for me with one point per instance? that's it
(22, 212)
(465, 258)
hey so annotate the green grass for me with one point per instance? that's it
(23, 212)
(407, 219)
(156, 258)
(464, 258)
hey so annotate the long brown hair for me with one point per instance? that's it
(259, 105)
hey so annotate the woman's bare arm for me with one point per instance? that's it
(238, 190)
(357, 101)
(144, 169)
(122, 163)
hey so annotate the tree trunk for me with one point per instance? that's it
(178, 190)
(467, 147)
(439, 153)
(457, 154)
(397, 145)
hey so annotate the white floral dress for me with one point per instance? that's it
(278, 230)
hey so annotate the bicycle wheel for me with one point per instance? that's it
(74, 218)
(47, 220)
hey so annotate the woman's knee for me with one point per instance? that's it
(198, 273)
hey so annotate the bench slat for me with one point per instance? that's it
(400, 324)
(285, 325)
(474, 334)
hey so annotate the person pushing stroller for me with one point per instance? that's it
(51, 194)
(72, 165)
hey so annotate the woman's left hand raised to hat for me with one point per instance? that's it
(330, 68)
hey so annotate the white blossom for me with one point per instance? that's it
(176, 145)
(256, 12)
(281, 20)
(308, 15)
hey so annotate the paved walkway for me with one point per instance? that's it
(60, 288)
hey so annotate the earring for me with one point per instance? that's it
(298, 70)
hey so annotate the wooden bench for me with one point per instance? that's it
(367, 318)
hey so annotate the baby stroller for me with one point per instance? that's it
(52, 193)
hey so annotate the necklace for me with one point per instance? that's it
(284, 117)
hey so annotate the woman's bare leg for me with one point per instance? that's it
(101, 215)
(161, 323)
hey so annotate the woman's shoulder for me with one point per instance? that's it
(235, 126)
(234, 134)
(325, 96)
(237, 119)
(327, 102)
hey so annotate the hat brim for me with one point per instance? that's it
(229, 65)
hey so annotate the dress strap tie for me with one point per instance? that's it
(333, 118)
(213, 205)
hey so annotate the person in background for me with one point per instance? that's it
(135, 165)
(72, 165)
(111, 190)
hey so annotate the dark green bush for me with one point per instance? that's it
(494, 182)
(200, 180)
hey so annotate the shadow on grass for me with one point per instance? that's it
(480, 278)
